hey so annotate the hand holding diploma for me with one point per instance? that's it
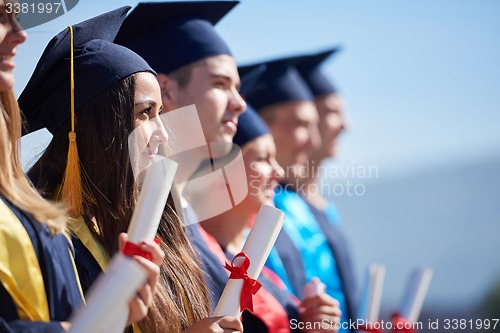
(124, 294)
(317, 306)
(257, 247)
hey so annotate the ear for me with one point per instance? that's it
(167, 87)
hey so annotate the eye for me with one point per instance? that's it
(220, 84)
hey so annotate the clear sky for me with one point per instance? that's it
(420, 77)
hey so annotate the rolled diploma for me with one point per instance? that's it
(314, 288)
(257, 247)
(109, 296)
(377, 274)
(152, 199)
(372, 296)
(417, 289)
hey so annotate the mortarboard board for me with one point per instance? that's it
(309, 69)
(170, 35)
(250, 124)
(281, 82)
(98, 64)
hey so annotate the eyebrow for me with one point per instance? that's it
(146, 101)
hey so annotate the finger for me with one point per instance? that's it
(154, 249)
(122, 239)
(317, 300)
(137, 310)
(146, 295)
(151, 269)
(231, 324)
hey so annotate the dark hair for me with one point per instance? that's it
(102, 128)
(183, 75)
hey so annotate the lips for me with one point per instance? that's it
(7, 56)
(230, 125)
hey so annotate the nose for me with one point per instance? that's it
(278, 172)
(314, 137)
(19, 37)
(16, 34)
(237, 104)
(159, 134)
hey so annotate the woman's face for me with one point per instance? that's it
(11, 36)
(149, 132)
(263, 171)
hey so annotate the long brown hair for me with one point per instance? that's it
(14, 185)
(103, 127)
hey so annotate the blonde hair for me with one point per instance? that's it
(14, 185)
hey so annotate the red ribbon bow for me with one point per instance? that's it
(398, 326)
(250, 286)
(132, 249)
(397, 320)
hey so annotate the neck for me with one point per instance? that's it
(228, 229)
(310, 190)
(188, 164)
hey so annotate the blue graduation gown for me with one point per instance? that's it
(60, 282)
(312, 235)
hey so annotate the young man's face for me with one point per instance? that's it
(294, 126)
(213, 88)
(331, 123)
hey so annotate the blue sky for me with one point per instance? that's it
(420, 78)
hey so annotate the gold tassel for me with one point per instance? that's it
(72, 181)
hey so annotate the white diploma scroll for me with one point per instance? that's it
(152, 199)
(413, 300)
(314, 288)
(257, 247)
(370, 306)
(108, 298)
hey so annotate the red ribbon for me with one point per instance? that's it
(250, 286)
(398, 326)
(401, 321)
(132, 249)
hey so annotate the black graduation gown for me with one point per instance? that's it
(59, 278)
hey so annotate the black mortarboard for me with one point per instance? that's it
(170, 35)
(98, 64)
(281, 82)
(250, 126)
(309, 69)
(250, 78)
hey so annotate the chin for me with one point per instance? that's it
(6, 82)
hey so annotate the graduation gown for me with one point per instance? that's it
(39, 286)
(313, 236)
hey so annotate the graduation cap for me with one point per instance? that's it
(309, 69)
(170, 35)
(76, 66)
(250, 77)
(98, 64)
(281, 82)
(250, 126)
